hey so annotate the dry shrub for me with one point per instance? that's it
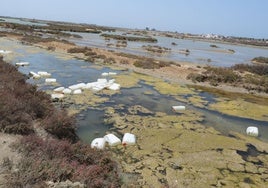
(255, 69)
(261, 59)
(79, 50)
(148, 63)
(21, 105)
(60, 125)
(59, 160)
(258, 81)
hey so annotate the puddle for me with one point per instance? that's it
(91, 125)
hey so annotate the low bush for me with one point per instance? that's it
(260, 60)
(129, 38)
(148, 63)
(257, 81)
(37, 39)
(79, 50)
(214, 46)
(21, 105)
(59, 160)
(255, 69)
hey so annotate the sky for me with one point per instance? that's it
(244, 18)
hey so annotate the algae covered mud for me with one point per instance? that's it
(202, 146)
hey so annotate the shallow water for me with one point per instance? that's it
(200, 51)
(71, 71)
(24, 22)
(91, 125)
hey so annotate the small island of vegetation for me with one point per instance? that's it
(260, 59)
(156, 49)
(129, 38)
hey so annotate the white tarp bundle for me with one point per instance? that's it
(98, 143)
(77, 86)
(129, 139)
(77, 91)
(44, 74)
(178, 108)
(109, 73)
(34, 75)
(22, 64)
(5, 52)
(50, 80)
(252, 131)
(57, 96)
(59, 89)
(67, 91)
(112, 139)
(114, 86)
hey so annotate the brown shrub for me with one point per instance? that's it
(148, 63)
(79, 50)
(55, 160)
(21, 104)
(255, 69)
(59, 124)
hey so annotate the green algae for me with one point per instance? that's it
(176, 150)
(241, 108)
(232, 95)
(196, 100)
(83, 101)
(127, 80)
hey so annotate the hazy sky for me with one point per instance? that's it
(246, 18)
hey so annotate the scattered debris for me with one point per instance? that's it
(67, 91)
(5, 52)
(34, 75)
(59, 89)
(252, 131)
(44, 74)
(98, 143)
(129, 139)
(50, 80)
(77, 91)
(109, 74)
(114, 86)
(22, 64)
(57, 96)
(178, 108)
(77, 86)
(112, 139)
